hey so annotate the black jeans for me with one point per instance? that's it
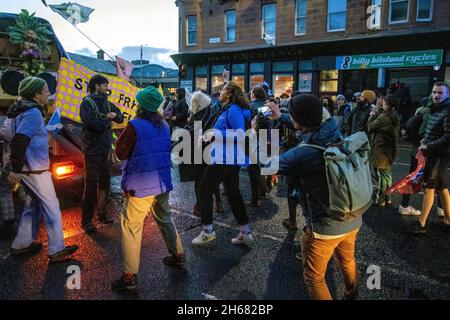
(198, 172)
(96, 185)
(211, 179)
(258, 184)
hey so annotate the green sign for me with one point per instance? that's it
(390, 60)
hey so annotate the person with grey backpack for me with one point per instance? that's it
(336, 191)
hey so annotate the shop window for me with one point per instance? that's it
(300, 17)
(201, 83)
(358, 80)
(240, 81)
(256, 80)
(305, 65)
(269, 18)
(283, 66)
(337, 12)
(305, 82)
(238, 68)
(447, 75)
(230, 29)
(216, 83)
(425, 10)
(282, 83)
(328, 82)
(398, 11)
(217, 69)
(201, 71)
(191, 30)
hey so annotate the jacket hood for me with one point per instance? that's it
(395, 117)
(438, 107)
(327, 133)
(21, 106)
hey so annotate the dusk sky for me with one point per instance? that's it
(119, 27)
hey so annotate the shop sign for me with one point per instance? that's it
(305, 82)
(214, 40)
(390, 60)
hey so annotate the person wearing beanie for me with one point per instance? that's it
(357, 120)
(97, 115)
(181, 109)
(344, 109)
(30, 166)
(323, 235)
(144, 148)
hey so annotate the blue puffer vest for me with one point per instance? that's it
(147, 172)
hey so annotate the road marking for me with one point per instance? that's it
(209, 297)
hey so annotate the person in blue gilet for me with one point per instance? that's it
(144, 148)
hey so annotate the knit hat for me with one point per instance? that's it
(149, 98)
(30, 86)
(340, 97)
(369, 95)
(96, 79)
(306, 110)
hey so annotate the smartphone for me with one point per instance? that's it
(265, 111)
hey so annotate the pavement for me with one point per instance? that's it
(411, 267)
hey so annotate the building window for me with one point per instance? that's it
(217, 81)
(191, 30)
(256, 80)
(230, 26)
(305, 82)
(269, 18)
(201, 83)
(238, 73)
(447, 74)
(398, 11)
(425, 10)
(337, 12)
(282, 83)
(300, 17)
(328, 83)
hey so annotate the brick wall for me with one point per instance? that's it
(211, 21)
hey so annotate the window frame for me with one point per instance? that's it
(328, 17)
(229, 27)
(390, 12)
(274, 5)
(431, 12)
(301, 17)
(187, 30)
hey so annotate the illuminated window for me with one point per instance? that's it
(282, 83)
(216, 83)
(256, 80)
(240, 81)
(328, 82)
(398, 11)
(201, 83)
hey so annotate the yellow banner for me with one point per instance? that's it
(72, 88)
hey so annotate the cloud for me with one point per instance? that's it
(159, 56)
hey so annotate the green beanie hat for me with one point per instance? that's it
(149, 98)
(28, 87)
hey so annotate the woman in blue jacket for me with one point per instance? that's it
(228, 156)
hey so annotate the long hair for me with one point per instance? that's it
(154, 117)
(237, 95)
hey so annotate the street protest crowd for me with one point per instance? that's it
(337, 157)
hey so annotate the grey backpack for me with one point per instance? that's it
(348, 176)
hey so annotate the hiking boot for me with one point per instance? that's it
(125, 283)
(408, 211)
(89, 227)
(175, 260)
(34, 247)
(243, 239)
(417, 228)
(63, 254)
(289, 225)
(219, 207)
(204, 237)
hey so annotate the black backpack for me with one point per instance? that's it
(412, 127)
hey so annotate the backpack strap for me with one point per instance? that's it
(98, 114)
(313, 146)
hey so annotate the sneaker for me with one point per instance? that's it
(440, 212)
(34, 247)
(125, 283)
(243, 239)
(175, 260)
(289, 225)
(204, 237)
(408, 211)
(417, 228)
(89, 227)
(63, 254)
